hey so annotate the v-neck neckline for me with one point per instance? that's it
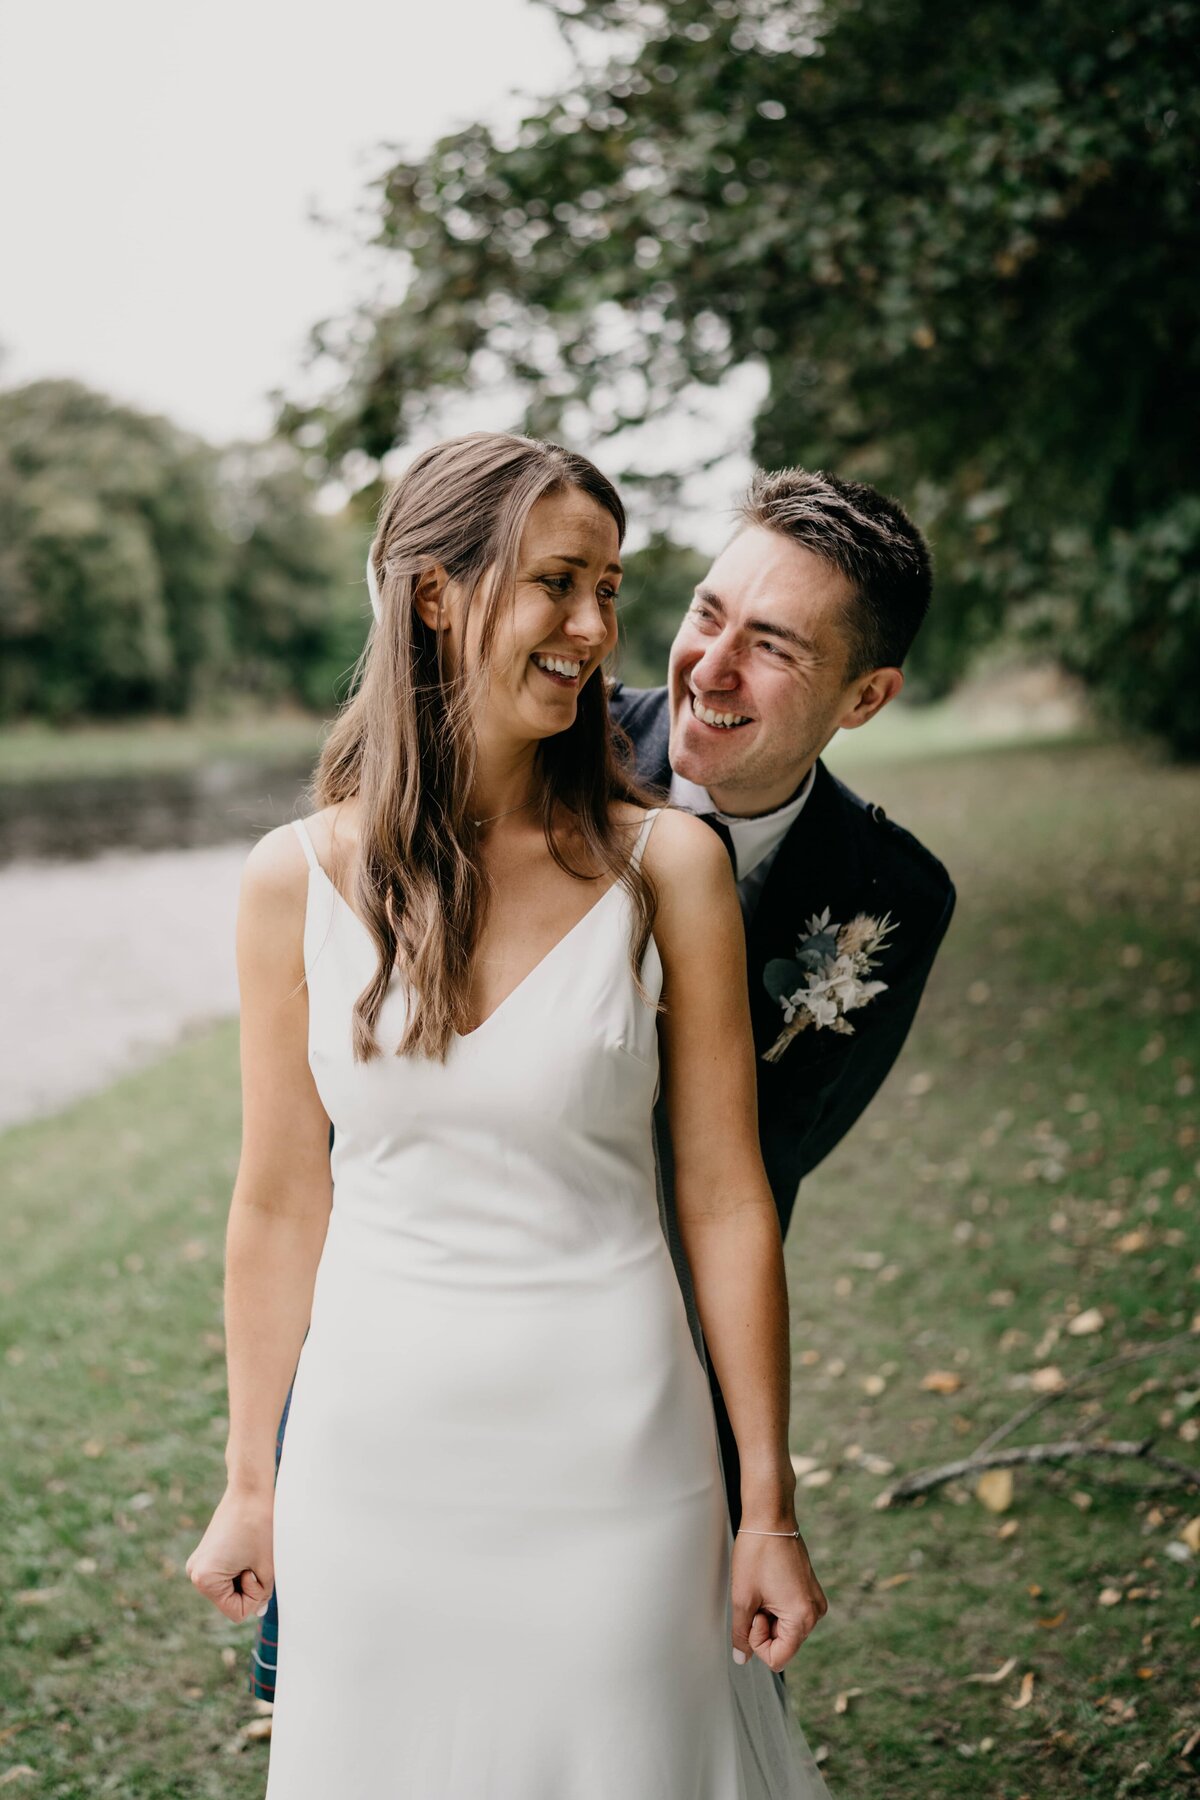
(465, 1037)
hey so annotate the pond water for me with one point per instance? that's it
(222, 802)
(118, 901)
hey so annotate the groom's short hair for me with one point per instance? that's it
(869, 538)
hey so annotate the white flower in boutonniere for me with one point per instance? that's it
(827, 979)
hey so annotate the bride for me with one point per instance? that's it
(499, 1535)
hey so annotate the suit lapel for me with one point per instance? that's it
(816, 866)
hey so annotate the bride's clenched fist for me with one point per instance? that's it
(233, 1565)
(777, 1599)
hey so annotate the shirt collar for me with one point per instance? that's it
(753, 839)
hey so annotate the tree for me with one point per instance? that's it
(112, 588)
(965, 252)
(297, 597)
(143, 571)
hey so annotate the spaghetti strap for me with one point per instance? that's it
(310, 855)
(643, 834)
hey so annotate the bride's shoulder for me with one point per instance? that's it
(276, 868)
(684, 856)
(679, 837)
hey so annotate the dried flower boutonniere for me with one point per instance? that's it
(827, 979)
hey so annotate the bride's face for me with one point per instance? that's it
(559, 626)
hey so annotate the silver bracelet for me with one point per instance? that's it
(752, 1533)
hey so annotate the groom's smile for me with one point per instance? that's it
(716, 716)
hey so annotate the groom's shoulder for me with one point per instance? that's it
(889, 846)
(636, 709)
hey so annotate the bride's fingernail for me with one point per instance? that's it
(261, 1612)
(739, 1656)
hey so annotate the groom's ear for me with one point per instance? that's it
(429, 597)
(870, 696)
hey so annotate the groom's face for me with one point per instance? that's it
(758, 671)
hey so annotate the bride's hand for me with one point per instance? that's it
(777, 1598)
(233, 1564)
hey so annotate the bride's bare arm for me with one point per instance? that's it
(723, 1202)
(277, 1219)
(283, 1192)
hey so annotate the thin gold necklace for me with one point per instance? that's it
(492, 817)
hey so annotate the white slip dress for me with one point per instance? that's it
(501, 1538)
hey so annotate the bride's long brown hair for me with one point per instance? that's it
(404, 747)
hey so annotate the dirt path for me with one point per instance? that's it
(105, 964)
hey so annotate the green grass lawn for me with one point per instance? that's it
(1033, 1158)
(36, 752)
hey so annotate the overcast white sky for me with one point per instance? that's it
(161, 163)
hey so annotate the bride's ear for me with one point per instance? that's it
(429, 597)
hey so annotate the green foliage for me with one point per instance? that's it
(1136, 622)
(112, 595)
(656, 588)
(965, 253)
(296, 593)
(141, 571)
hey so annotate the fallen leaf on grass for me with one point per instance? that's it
(874, 1465)
(18, 1772)
(995, 1489)
(1047, 1380)
(1009, 1529)
(1053, 1623)
(1000, 1674)
(36, 1596)
(895, 1581)
(1086, 1324)
(1110, 1596)
(1190, 1534)
(842, 1702)
(256, 1729)
(1026, 1693)
(941, 1381)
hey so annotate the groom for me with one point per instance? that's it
(798, 631)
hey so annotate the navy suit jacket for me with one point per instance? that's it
(844, 854)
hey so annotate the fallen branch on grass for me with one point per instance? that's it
(1067, 1450)
(1081, 1380)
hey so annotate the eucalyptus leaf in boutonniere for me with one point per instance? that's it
(828, 977)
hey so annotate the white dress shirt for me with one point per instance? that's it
(755, 841)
